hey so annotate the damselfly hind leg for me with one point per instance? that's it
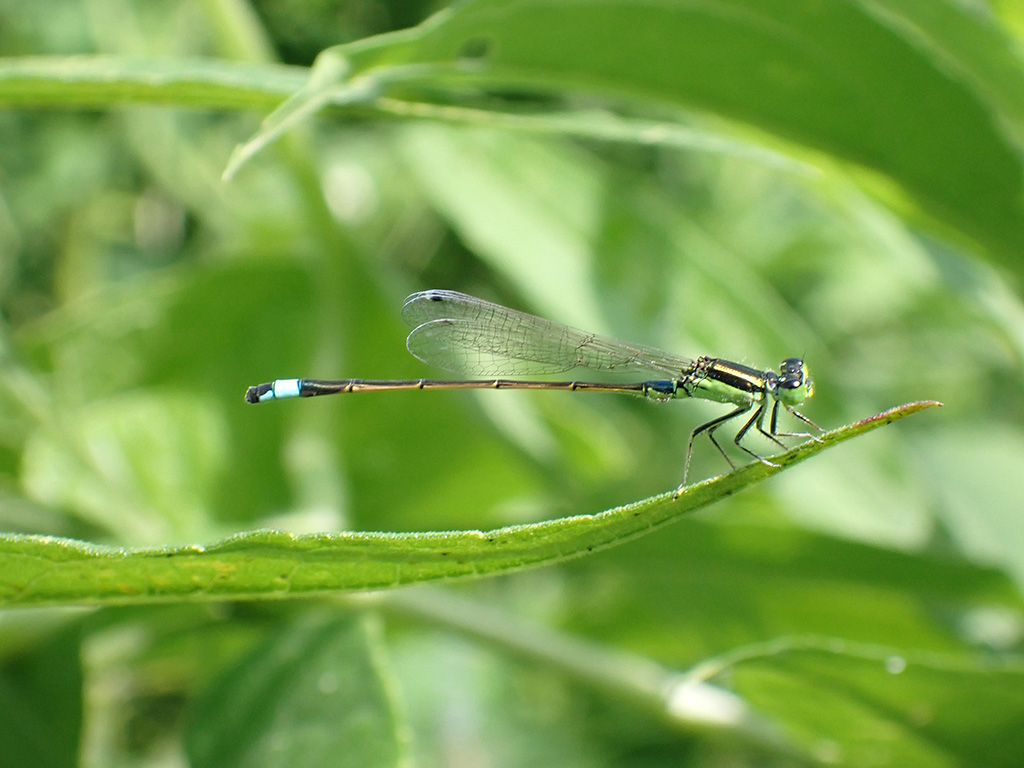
(707, 426)
(710, 427)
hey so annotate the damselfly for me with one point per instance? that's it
(462, 333)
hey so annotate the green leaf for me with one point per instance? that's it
(823, 77)
(97, 81)
(915, 94)
(915, 91)
(314, 688)
(880, 706)
(48, 570)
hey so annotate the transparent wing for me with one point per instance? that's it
(462, 333)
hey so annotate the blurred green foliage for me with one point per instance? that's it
(864, 608)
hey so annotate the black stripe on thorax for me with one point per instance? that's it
(732, 374)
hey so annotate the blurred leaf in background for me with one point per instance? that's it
(840, 181)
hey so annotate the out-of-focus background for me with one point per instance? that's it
(140, 295)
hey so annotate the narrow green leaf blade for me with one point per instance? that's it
(273, 564)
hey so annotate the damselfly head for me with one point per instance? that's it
(795, 384)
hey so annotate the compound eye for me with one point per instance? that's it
(791, 373)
